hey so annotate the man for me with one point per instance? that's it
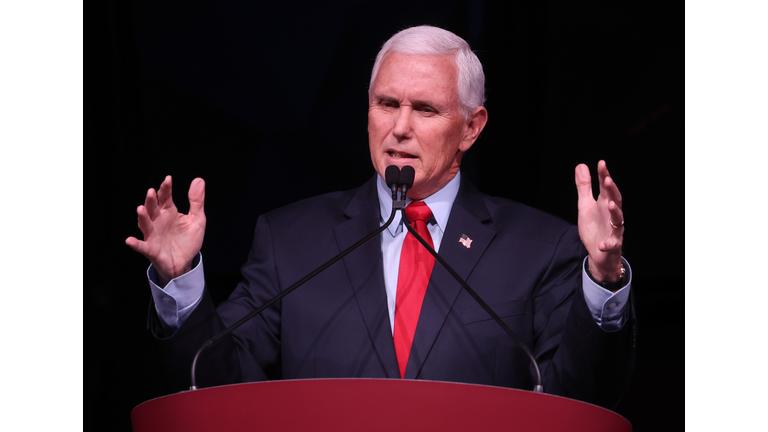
(386, 310)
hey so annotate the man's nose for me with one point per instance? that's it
(402, 129)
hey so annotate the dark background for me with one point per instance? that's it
(260, 98)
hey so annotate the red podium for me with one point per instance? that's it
(370, 405)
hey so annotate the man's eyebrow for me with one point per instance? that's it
(420, 102)
(416, 102)
(384, 98)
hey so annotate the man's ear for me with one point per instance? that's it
(475, 124)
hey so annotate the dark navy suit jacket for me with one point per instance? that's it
(526, 264)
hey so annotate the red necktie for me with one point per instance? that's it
(412, 279)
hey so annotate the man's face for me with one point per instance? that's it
(414, 119)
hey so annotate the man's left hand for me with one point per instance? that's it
(601, 223)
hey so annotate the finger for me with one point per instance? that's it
(612, 246)
(584, 184)
(197, 197)
(608, 188)
(137, 245)
(602, 169)
(612, 191)
(151, 204)
(602, 175)
(145, 223)
(617, 217)
(165, 199)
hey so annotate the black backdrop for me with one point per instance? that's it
(260, 99)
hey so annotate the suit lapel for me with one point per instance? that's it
(365, 270)
(467, 216)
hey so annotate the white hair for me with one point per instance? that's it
(428, 40)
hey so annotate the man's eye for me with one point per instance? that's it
(388, 104)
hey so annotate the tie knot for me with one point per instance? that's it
(418, 211)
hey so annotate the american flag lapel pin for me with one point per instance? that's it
(466, 241)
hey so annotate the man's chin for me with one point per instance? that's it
(381, 167)
(420, 191)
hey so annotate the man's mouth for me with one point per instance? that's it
(397, 155)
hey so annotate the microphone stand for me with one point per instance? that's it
(395, 206)
(539, 388)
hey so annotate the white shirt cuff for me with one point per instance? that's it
(178, 299)
(607, 308)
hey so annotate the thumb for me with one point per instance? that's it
(137, 245)
(584, 184)
(196, 196)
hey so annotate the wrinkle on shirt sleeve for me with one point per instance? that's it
(608, 309)
(178, 299)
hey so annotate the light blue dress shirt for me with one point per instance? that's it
(179, 298)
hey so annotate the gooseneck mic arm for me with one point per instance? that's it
(392, 177)
(539, 388)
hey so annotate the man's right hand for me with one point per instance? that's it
(171, 239)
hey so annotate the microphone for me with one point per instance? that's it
(392, 173)
(392, 177)
(408, 173)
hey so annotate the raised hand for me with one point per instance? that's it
(171, 239)
(601, 223)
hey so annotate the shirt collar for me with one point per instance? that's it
(439, 202)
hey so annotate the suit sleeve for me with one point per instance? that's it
(251, 352)
(576, 357)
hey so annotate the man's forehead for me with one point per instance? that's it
(418, 73)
